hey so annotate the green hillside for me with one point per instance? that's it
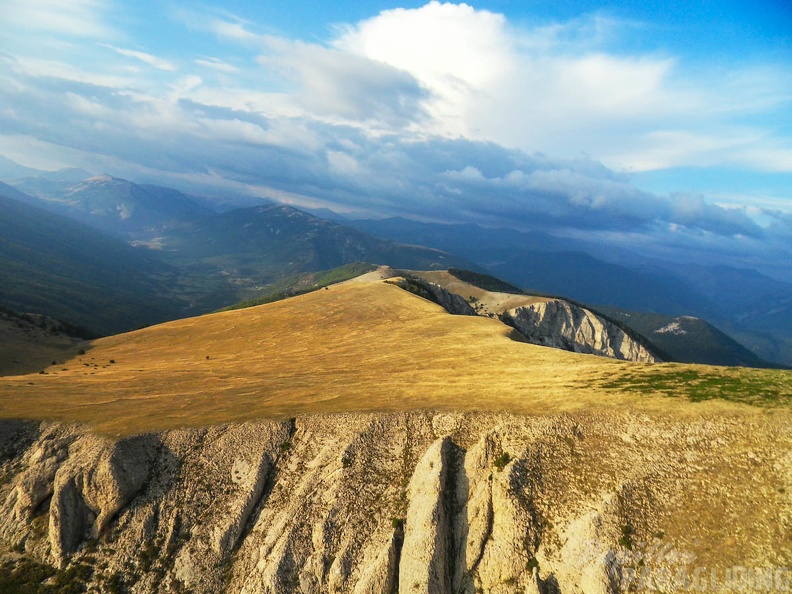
(53, 265)
(60, 267)
(691, 340)
(244, 254)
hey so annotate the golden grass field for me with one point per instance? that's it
(357, 346)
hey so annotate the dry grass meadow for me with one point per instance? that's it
(357, 346)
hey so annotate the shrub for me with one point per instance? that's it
(502, 460)
(626, 537)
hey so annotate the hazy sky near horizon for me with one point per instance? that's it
(666, 122)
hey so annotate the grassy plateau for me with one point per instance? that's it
(362, 345)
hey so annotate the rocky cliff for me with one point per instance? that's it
(405, 502)
(555, 323)
(560, 324)
(451, 302)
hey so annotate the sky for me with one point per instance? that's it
(665, 127)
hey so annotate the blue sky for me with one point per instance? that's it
(657, 123)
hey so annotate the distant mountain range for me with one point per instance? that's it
(112, 205)
(752, 308)
(690, 340)
(186, 257)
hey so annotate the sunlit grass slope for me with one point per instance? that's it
(358, 346)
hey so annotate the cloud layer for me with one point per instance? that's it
(455, 125)
(558, 89)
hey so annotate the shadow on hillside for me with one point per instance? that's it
(26, 358)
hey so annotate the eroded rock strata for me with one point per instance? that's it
(412, 502)
(559, 324)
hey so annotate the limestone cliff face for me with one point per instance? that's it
(412, 502)
(560, 324)
(452, 302)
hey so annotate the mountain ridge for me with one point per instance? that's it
(749, 306)
(186, 268)
(111, 204)
(551, 322)
(360, 439)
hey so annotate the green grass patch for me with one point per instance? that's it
(626, 539)
(29, 576)
(502, 460)
(747, 386)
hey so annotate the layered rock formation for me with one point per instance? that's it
(563, 325)
(451, 302)
(410, 502)
(555, 323)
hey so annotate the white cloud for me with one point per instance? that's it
(342, 163)
(151, 60)
(440, 43)
(216, 64)
(231, 30)
(220, 23)
(456, 52)
(346, 87)
(56, 69)
(663, 149)
(770, 157)
(183, 86)
(557, 88)
(88, 106)
(75, 18)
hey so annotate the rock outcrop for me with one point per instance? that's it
(563, 325)
(453, 303)
(404, 502)
(555, 323)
